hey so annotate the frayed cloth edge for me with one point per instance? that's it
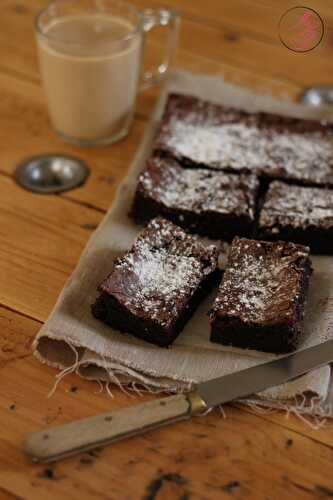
(313, 411)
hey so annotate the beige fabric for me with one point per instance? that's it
(72, 338)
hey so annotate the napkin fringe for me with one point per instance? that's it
(312, 410)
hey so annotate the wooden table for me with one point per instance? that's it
(246, 455)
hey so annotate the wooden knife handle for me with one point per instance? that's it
(83, 435)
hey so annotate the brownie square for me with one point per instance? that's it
(260, 302)
(211, 203)
(200, 133)
(300, 214)
(156, 286)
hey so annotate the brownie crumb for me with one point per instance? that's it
(86, 460)
(89, 227)
(156, 484)
(94, 453)
(47, 473)
(229, 487)
(231, 37)
(289, 443)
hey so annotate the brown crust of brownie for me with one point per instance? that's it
(260, 302)
(155, 287)
(303, 215)
(112, 312)
(272, 146)
(210, 203)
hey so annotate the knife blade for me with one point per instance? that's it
(83, 435)
(260, 377)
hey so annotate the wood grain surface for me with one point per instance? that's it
(242, 456)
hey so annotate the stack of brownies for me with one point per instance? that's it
(232, 176)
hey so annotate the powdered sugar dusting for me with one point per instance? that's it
(161, 272)
(260, 282)
(247, 147)
(297, 206)
(158, 279)
(199, 190)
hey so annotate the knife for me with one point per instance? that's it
(83, 435)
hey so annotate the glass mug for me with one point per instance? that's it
(90, 54)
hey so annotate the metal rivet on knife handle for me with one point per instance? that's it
(197, 404)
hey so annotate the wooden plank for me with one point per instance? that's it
(17, 18)
(25, 67)
(17, 333)
(25, 131)
(206, 458)
(323, 433)
(41, 239)
(242, 51)
(267, 59)
(257, 19)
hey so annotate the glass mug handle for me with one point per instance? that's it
(167, 18)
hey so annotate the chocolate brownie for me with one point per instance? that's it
(156, 286)
(300, 214)
(211, 203)
(200, 133)
(260, 302)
